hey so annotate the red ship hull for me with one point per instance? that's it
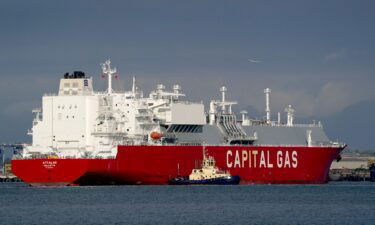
(158, 164)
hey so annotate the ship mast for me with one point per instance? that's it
(107, 70)
(204, 152)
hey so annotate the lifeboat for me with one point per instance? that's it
(155, 135)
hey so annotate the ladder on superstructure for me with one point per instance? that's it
(228, 124)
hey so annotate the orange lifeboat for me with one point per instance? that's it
(155, 135)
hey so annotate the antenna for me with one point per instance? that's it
(204, 151)
(107, 70)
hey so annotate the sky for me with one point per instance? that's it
(318, 56)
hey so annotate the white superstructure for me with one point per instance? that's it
(79, 122)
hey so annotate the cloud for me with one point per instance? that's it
(334, 96)
(329, 98)
(335, 55)
(255, 61)
(313, 100)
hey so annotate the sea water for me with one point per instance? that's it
(333, 203)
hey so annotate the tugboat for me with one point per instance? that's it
(208, 174)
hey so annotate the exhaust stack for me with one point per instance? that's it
(223, 90)
(267, 93)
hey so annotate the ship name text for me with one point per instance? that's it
(49, 164)
(261, 159)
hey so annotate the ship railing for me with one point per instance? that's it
(285, 125)
(50, 94)
(333, 144)
(314, 145)
(105, 92)
(303, 125)
(218, 145)
(190, 102)
(15, 157)
(140, 115)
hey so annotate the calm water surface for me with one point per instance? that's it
(334, 203)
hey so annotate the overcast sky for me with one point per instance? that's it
(318, 56)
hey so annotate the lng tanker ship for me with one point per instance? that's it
(83, 137)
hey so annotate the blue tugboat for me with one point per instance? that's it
(208, 174)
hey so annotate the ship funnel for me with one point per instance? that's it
(267, 93)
